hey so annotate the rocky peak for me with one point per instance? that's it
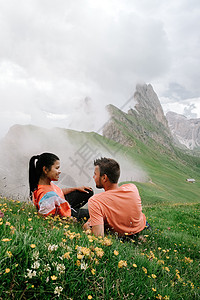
(145, 120)
(148, 103)
(184, 131)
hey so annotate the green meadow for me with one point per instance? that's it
(52, 258)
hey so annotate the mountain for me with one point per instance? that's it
(145, 122)
(185, 132)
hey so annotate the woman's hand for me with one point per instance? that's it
(84, 189)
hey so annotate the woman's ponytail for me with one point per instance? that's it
(33, 174)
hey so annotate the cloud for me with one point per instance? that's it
(54, 56)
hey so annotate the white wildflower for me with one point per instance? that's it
(35, 255)
(52, 248)
(36, 265)
(58, 290)
(60, 268)
(30, 273)
(84, 266)
(47, 268)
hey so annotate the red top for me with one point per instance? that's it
(49, 199)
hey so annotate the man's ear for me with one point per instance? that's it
(105, 178)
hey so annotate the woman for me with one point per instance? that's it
(48, 198)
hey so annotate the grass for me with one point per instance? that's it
(50, 258)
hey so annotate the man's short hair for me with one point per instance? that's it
(109, 167)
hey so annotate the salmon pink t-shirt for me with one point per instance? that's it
(121, 209)
(49, 199)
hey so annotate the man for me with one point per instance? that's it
(118, 208)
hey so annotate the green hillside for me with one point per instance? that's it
(167, 172)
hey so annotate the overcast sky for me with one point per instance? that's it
(63, 61)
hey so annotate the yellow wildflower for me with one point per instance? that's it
(7, 223)
(153, 276)
(6, 240)
(85, 251)
(153, 289)
(144, 269)
(122, 263)
(167, 269)
(7, 270)
(32, 246)
(188, 260)
(66, 255)
(134, 265)
(99, 252)
(93, 271)
(89, 297)
(80, 256)
(160, 262)
(116, 252)
(9, 253)
(53, 277)
(78, 263)
(30, 219)
(106, 242)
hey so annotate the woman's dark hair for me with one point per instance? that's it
(109, 167)
(36, 164)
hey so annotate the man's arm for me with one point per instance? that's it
(98, 230)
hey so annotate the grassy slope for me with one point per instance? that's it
(163, 266)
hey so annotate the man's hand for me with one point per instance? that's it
(86, 226)
(98, 230)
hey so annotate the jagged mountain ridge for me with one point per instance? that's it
(184, 131)
(146, 121)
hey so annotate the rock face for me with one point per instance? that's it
(185, 131)
(145, 121)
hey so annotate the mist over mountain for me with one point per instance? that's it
(76, 150)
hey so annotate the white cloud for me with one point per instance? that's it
(54, 56)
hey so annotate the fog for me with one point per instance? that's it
(76, 150)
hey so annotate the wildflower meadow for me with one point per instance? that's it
(53, 258)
